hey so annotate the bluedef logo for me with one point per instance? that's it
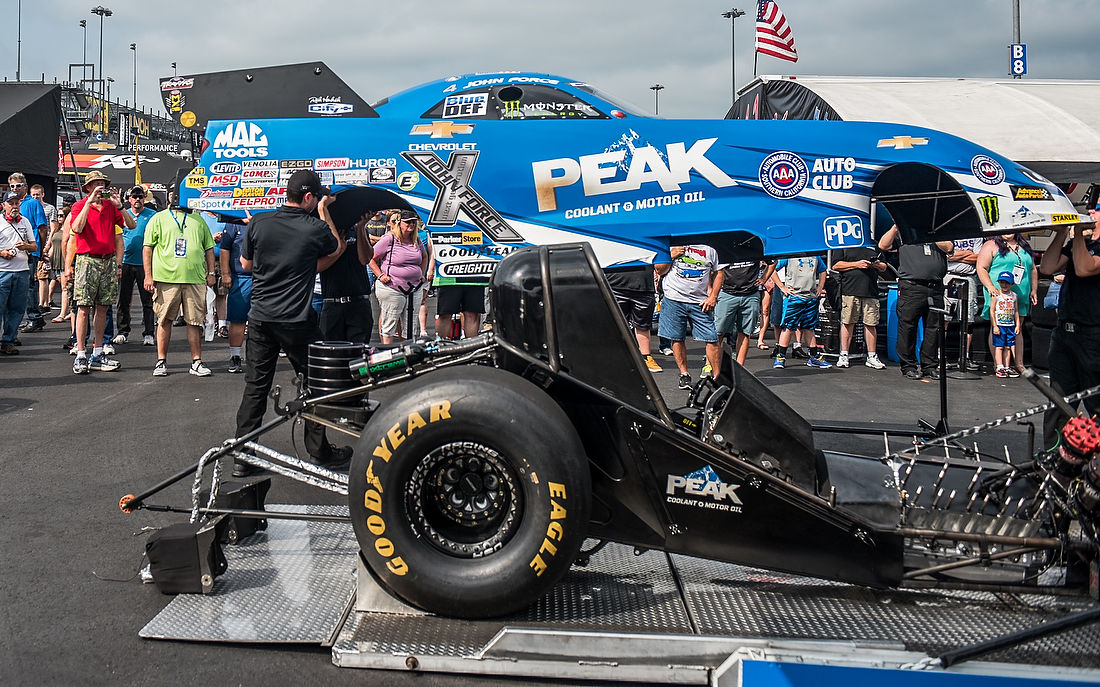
(844, 232)
(703, 489)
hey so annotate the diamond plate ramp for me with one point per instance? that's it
(291, 583)
(731, 600)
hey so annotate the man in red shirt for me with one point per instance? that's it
(95, 262)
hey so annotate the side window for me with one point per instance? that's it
(541, 102)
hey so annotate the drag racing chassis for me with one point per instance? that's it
(475, 483)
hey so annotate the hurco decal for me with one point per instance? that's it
(554, 531)
(783, 175)
(453, 181)
(243, 139)
(703, 489)
(991, 209)
(1030, 193)
(647, 165)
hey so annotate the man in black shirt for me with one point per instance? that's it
(284, 250)
(857, 274)
(921, 269)
(1074, 357)
(737, 312)
(635, 293)
(346, 314)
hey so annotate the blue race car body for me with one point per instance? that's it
(496, 162)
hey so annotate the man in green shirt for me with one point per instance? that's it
(178, 257)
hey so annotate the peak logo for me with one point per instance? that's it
(240, 140)
(647, 165)
(703, 489)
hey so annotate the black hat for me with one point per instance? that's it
(409, 214)
(306, 181)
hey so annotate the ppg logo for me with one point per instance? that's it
(844, 232)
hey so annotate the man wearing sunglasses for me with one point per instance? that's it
(284, 250)
(33, 211)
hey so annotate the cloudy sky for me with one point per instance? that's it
(620, 46)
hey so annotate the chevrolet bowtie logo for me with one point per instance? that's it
(442, 129)
(902, 142)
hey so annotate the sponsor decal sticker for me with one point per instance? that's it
(441, 129)
(332, 163)
(833, 174)
(1059, 218)
(703, 489)
(783, 175)
(1030, 193)
(249, 192)
(991, 209)
(987, 170)
(296, 164)
(240, 140)
(216, 193)
(453, 181)
(195, 181)
(331, 108)
(472, 238)
(407, 181)
(466, 105)
(902, 142)
(844, 232)
(188, 118)
(225, 168)
(382, 175)
(176, 83)
(225, 180)
(351, 176)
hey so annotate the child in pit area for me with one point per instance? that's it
(1006, 325)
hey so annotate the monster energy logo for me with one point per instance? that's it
(511, 108)
(453, 181)
(990, 209)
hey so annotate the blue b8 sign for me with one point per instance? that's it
(1017, 59)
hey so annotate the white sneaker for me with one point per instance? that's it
(160, 369)
(148, 340)
(199, 369)
(119, 339)
(873, 362)
(842, 361)
(108, 349)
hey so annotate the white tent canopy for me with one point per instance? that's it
(1052, 126)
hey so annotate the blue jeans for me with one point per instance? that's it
(33, 312)
(675, 316)
(13, 302)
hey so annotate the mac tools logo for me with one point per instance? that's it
(240, 140)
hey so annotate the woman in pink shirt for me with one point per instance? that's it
(399, 265)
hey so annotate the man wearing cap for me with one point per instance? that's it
(95, 264)
(32, 211)
(1074, 357)
(16, 244)
(133, 273)
(284, 250)
(346, 313)
(178, 265)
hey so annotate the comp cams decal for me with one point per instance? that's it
(703, 489)
(453, 181)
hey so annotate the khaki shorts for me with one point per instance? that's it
(167, 299)
(856, 308)
(95, 280)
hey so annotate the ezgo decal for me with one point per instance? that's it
(703, 489)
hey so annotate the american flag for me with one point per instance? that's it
(773, 35)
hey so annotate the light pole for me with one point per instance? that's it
(732, 15)
(133, 46)
(173, 69)
(109, 82)
(102, 12)
(19, 38)
(656, 88)
(84, 58)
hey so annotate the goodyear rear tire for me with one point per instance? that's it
(469, 493)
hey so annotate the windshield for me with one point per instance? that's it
(623, 105)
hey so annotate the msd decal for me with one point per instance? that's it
(703, 489)
(240, 140)
(599, 173)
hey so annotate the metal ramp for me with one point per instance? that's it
(651, 617)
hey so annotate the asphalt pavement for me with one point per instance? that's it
(73, 445)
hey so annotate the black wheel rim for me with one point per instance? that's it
(464, 498)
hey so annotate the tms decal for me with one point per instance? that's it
(598, 173)
(453, 181)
